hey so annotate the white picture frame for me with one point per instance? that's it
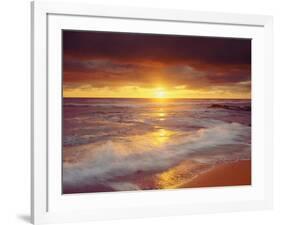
(47, 203)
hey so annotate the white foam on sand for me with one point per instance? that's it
(127, 156)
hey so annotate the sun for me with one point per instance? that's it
(160, 93)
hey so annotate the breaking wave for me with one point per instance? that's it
(101, 163)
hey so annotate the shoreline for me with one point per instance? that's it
(237, 173)
(228, 174)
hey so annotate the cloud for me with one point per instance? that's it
(107, 59)
(101, 73)
(155, 47)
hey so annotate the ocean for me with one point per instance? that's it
(118, 144)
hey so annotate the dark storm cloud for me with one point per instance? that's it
(106, 73)
(163, 48)
(217, 76)
(106, 58)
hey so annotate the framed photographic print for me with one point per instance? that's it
(149, 112)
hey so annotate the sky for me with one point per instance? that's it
(131, 65)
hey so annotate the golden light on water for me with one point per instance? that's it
(167, 179)
(178, 175)
(146, 142)
(161, 136)
(152, 140)
(161, 116)
(149, 141)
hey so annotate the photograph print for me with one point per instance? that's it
(154, 111)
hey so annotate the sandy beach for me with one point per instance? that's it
(228, 174)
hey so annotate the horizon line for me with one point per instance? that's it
(158, 98)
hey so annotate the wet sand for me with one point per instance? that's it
(229, 174)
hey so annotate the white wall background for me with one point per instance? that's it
(15, 109)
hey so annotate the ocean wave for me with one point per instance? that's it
(141, 103)
(103, 162)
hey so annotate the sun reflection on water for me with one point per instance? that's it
(161, 116)
(151, 140)
(167, 179)
(178, 175)
(161, 136)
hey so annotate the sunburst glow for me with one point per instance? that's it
(160, 93)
